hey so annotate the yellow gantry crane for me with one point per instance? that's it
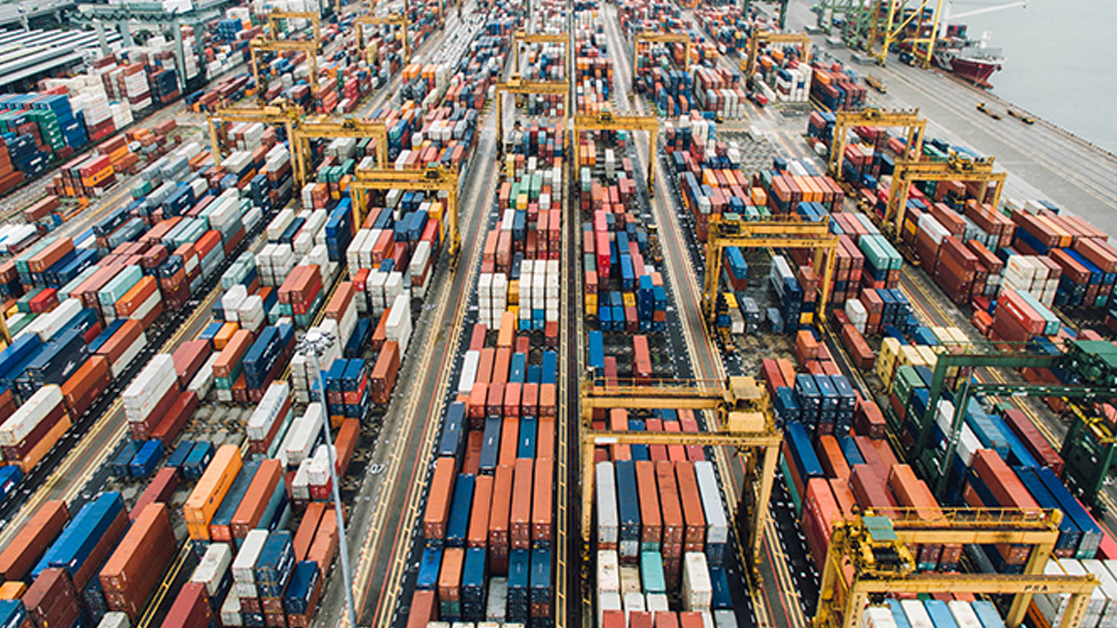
(870, 557)
(432, 179)
(396, 19)
(956, 169)
(768, 37)
(321, 126)
(276, 15)
(287, 115)
(606, 121)
(907, 119)
(646, 37)
(260, 44)
(889, 28)
(535, 38)
(790, 233)
(516, 85)
(746, 422)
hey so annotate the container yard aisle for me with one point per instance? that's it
(83, 472)
(1054, 164)
(388, 503)
(779, 605)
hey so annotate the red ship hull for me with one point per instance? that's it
(975, 71)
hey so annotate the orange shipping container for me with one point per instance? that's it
(211, 488)
(136, 567)
(479, 515)
(86, 384)
(438, 501)
(255, 501)
(542, 501)
(519, 522)
(324, 548)
(33, 539)
(232, 354)
(308, 528)
(136, 296)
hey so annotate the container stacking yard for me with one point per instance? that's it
(298, 333)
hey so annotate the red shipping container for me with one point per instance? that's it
(159, 491)
(136, 567)
(32, 540)
(191, 608)
(1034, 440)
(438, 501)
(52, 599)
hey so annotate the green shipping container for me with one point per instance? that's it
(117, 286)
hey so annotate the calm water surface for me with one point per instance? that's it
(1060, 65)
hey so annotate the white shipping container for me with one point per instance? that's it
(497, 600)
(608, 522)
(213, 567)
(633, 603)
(1108, 587)
(608, 571)
(115, 619)
(725, 619)
(149, 387)
(49, 324)
(230, 610)
(608, 602)
(245, 562)
(717, 527)
(20, 425)
(963, 614)
(267, 411)
(916, 614)
(469, 372)
(698, 591)
(300, 485)
(304, 431)
(319, 468)
(878, 617)
(203, 379)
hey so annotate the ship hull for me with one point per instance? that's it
(971, 70)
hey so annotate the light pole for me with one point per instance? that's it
(312, 344)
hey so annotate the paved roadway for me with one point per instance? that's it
(385, 512)
(778, 605)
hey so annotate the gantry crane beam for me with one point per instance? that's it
(535, 38)
(606, 121)
(287, 115)
(276, 15)
(646, 37)
(321, 126)
(431, 179)
(260, 44)
(907, 172)
(907, 118)
(396, 19)
(753, 432)
(516, 85)
(790, 234)
(874, 550)
(768, 37)
(735, 394)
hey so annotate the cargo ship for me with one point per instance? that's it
(968, 60)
